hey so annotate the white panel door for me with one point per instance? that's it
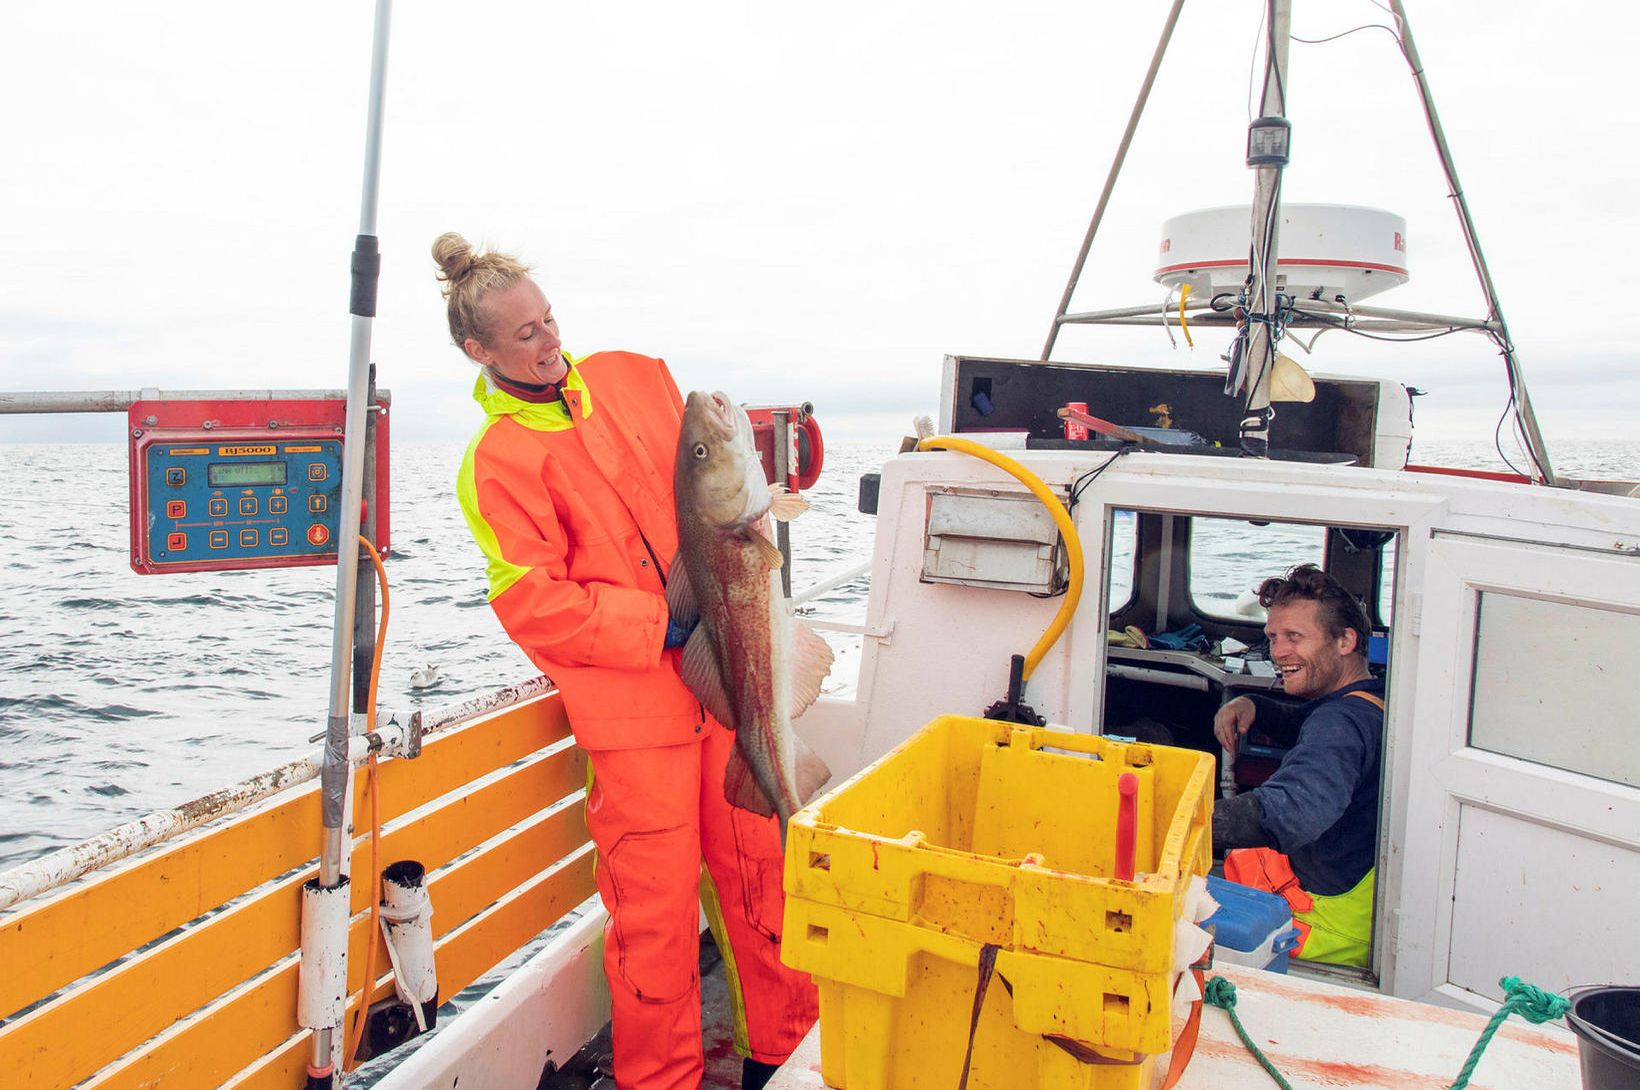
(1521, 852)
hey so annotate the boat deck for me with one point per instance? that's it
(1323, 1037)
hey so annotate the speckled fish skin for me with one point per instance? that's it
(723, 504)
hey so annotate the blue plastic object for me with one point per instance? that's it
(1378, 649)
(1250, 921)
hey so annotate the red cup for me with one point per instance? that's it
(1075, 429)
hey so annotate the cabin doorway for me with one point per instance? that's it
(1186, 632)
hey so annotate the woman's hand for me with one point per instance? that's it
(1233, 721)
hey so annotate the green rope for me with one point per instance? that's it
(1531, 1003)
(1222, 994)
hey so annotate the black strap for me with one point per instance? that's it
(987, 966)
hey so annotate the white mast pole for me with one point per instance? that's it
(1259, 358)
(324, 953)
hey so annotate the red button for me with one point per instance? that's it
(176, 509)
(176, 542)
(318, 534)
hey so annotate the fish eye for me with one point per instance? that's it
(700, 450)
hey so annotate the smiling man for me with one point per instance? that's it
(1309, 832)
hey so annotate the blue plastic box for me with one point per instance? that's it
(1251, 927)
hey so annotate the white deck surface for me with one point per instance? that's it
(1323, 1037)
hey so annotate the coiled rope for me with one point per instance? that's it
(1529, 1001)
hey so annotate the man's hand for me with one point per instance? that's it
(1233, 721)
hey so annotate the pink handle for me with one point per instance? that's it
(1127, 822)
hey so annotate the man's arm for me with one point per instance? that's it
(1314, 785)
(1238, 823)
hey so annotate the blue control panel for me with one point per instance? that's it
(236, 504)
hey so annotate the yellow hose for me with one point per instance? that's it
(1067, 530)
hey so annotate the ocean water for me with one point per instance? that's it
(121, 694)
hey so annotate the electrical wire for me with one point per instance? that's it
(373, 783)
(1080, 485)
(1346, 33)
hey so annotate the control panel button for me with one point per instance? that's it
(176, 509)
(318, 504)
(278, 505)
(176, 542)
(217, 507)
(176, 476)
(317, 472)
(247, 539)
(247, 505)
(279, 536)
(218, 539)
(318, 534)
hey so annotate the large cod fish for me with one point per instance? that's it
(751, 664)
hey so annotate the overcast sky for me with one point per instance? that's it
(784, 201)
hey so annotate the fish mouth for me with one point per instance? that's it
(723, 416)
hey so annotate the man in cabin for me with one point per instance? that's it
(1310, 831)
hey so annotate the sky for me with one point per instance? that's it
(786, 202)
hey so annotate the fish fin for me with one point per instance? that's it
(811, 773)
(700, 672)
(784, 504)
(810, 663)
(680, 593)
(768, 550)
(740, 786)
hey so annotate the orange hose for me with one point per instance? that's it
(374, 786)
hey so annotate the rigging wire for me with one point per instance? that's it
(1346, 33)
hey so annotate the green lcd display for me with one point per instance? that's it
(233, 474)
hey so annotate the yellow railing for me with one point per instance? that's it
(115, 993)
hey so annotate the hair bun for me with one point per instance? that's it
(455, 257)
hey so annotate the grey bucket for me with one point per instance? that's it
(1607, 1024)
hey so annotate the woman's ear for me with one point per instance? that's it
(476, 352)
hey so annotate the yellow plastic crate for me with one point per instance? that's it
(976, 832)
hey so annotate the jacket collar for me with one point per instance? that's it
(549, 416)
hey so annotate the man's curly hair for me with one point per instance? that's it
(1339, 610)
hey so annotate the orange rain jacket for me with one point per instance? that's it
(571, 503)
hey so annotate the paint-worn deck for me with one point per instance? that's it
(1324, 1037)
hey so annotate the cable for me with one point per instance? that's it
(374, 786)
(1346, 33)
(1080, 485)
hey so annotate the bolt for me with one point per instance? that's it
(151, 421)
(208, 425)
(136, 433)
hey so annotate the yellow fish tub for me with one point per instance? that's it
(979, 840)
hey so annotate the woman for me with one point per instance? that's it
(568, 490)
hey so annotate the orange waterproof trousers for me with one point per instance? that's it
(654, 814)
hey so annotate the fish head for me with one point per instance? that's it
(719, 473)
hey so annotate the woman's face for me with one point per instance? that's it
(525, 345)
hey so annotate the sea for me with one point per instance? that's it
(121, 694)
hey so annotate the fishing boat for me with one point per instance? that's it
(1053, 505)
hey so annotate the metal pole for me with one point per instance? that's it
(782, 476)
(366, 266)
(1110, 179)
(1517, 381)
(1261, 349)
(118, 401)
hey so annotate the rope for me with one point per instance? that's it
(1530, 1002)
(1222, 994)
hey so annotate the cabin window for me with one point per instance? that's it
(1123, 544)
(1229, 557)
(1583, 721)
